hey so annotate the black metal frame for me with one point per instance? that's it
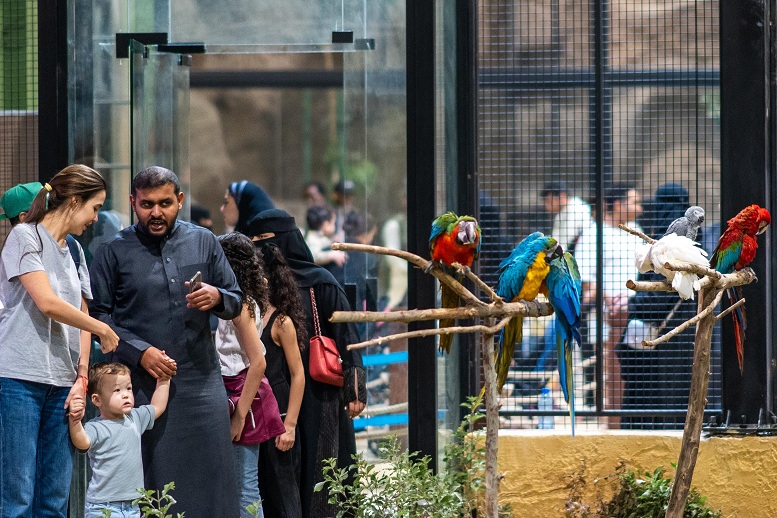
(747, 162)
(422, 354)
(53, 134)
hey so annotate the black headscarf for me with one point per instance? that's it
(251, 200)
(289, 240)
(670, 202)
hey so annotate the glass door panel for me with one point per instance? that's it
(159, 113)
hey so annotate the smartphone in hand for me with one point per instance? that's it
(195, 283)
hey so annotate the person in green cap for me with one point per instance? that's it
(17, 200)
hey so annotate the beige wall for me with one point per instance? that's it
(737, 474)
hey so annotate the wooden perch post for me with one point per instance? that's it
(713, 284)
(475, 308)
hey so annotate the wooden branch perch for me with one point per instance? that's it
(420, 262)
(693, 268)
(729, 280)
(637, 233)
(479, 283)
(432, 332)
(685, 325)
(729, 309)
(527, 309)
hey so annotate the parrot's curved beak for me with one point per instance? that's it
(467, 234)
(554, 253)
(762, 228)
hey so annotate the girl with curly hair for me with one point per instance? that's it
(242, 360)
(284, 336)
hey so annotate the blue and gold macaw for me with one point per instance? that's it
(521, 276)
(564, 291)
(454, 239)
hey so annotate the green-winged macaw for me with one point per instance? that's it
(736, 249)
(521, 276)
(564, 292)
(454, 239)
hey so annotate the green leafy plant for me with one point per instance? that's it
(253, 509)
(408, 487)
(153, 503)
(629, 494)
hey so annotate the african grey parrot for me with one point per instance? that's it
(689, 224)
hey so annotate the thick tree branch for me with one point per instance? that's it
(527, 309)
(729, 280)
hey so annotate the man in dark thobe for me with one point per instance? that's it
(140, 282)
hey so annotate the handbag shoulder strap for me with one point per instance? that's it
(316, 325)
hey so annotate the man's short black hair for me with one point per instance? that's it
(554, 188)
(615, 192)
(154, 176)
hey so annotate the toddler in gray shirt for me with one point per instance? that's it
(112, 440)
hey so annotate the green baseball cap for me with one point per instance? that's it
(18, 199)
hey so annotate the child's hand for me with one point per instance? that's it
(76, 408)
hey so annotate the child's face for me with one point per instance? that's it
(328, 228)
(115, 398)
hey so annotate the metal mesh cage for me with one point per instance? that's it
(592, 114)
(18, 93)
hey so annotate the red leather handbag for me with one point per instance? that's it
(326, 365)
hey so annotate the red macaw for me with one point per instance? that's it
(454, 239)
(736, 249)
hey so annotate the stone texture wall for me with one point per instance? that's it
(735, 474)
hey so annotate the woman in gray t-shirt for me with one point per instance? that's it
(44, 358)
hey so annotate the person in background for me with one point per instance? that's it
(112, 440)
(658, 378)
(342, 198)
(571, 215)
(201, 216)
(314, 194)
(142, 288)
(45, 341)
(242, 201)
(284, 336)
(319, 237)
(326, 428)
(392, 274)
(240, 349)
(622, 204)
(17, 200)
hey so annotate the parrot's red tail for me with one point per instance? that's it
(740, 326)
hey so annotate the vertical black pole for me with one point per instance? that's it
(52, 87)
(466, 149)
(422, 361)
(744, 181)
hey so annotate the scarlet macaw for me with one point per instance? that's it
(564, 291)
(454, 239)
(736, 249)
(521, 276)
